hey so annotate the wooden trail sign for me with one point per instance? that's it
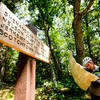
(15, 34)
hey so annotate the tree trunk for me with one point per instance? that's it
(51, 49)
(77, 28)
(78, 32)
(53, 76)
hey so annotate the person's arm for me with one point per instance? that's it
(97, 68)
(97, 71)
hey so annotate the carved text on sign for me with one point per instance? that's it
(15, 34)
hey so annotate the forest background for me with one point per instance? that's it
(63, 25)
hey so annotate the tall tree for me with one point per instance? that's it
(78, 29)
(44, 21)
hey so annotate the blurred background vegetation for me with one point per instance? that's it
(54, 20)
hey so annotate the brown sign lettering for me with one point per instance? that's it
(15, 34)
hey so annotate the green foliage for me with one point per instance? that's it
(48, 91)
(8, 60)
(58, 15)
(11, 4)
(47, 9)
(7, 93)
(71, 2)
(93, 32)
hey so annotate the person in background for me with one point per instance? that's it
(90, 66)
(94, 88)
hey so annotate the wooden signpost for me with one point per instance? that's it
(15, 34)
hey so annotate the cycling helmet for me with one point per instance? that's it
(85, 60)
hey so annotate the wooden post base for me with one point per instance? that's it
(25, 85)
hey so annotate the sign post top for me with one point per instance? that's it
(15, 34)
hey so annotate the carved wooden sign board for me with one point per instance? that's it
(15, 34)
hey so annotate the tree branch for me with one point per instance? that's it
(87, 8)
